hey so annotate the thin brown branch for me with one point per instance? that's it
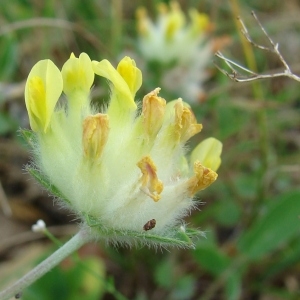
(250, 75)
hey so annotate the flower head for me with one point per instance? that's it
(122, 169)
(171, 37)
(180, 46)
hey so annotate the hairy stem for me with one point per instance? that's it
(81, 238)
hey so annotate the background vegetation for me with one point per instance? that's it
(250, 215)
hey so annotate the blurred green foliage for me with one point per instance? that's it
(250, 215)
(86, 280)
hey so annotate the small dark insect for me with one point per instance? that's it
(18, 295)
(149, 225)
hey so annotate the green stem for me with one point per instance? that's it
(81, 238)
(52, 238)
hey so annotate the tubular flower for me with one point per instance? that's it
(42, 90)
(124, 170)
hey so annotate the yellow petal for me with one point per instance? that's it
(124, 97)
(78, 74)
(208, 152)
(42, 91)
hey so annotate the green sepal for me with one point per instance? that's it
(28, 136)
(43, 181)
(180, 237)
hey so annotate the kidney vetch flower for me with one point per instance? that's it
(123, 170)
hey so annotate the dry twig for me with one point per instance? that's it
(236, 76)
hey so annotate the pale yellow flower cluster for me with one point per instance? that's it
(171, 37)
(182, 46)
(122, 167)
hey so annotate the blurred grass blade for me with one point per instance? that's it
(276, 227)
(288, 258)
(211, 258)
(233, 286)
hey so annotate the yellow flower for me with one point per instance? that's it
(78, 74)
(42, 91)
(124, 169)
(126, 80)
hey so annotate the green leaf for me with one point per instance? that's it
(276, 227)
(211, 259)
(209, 256)
(227, 212)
